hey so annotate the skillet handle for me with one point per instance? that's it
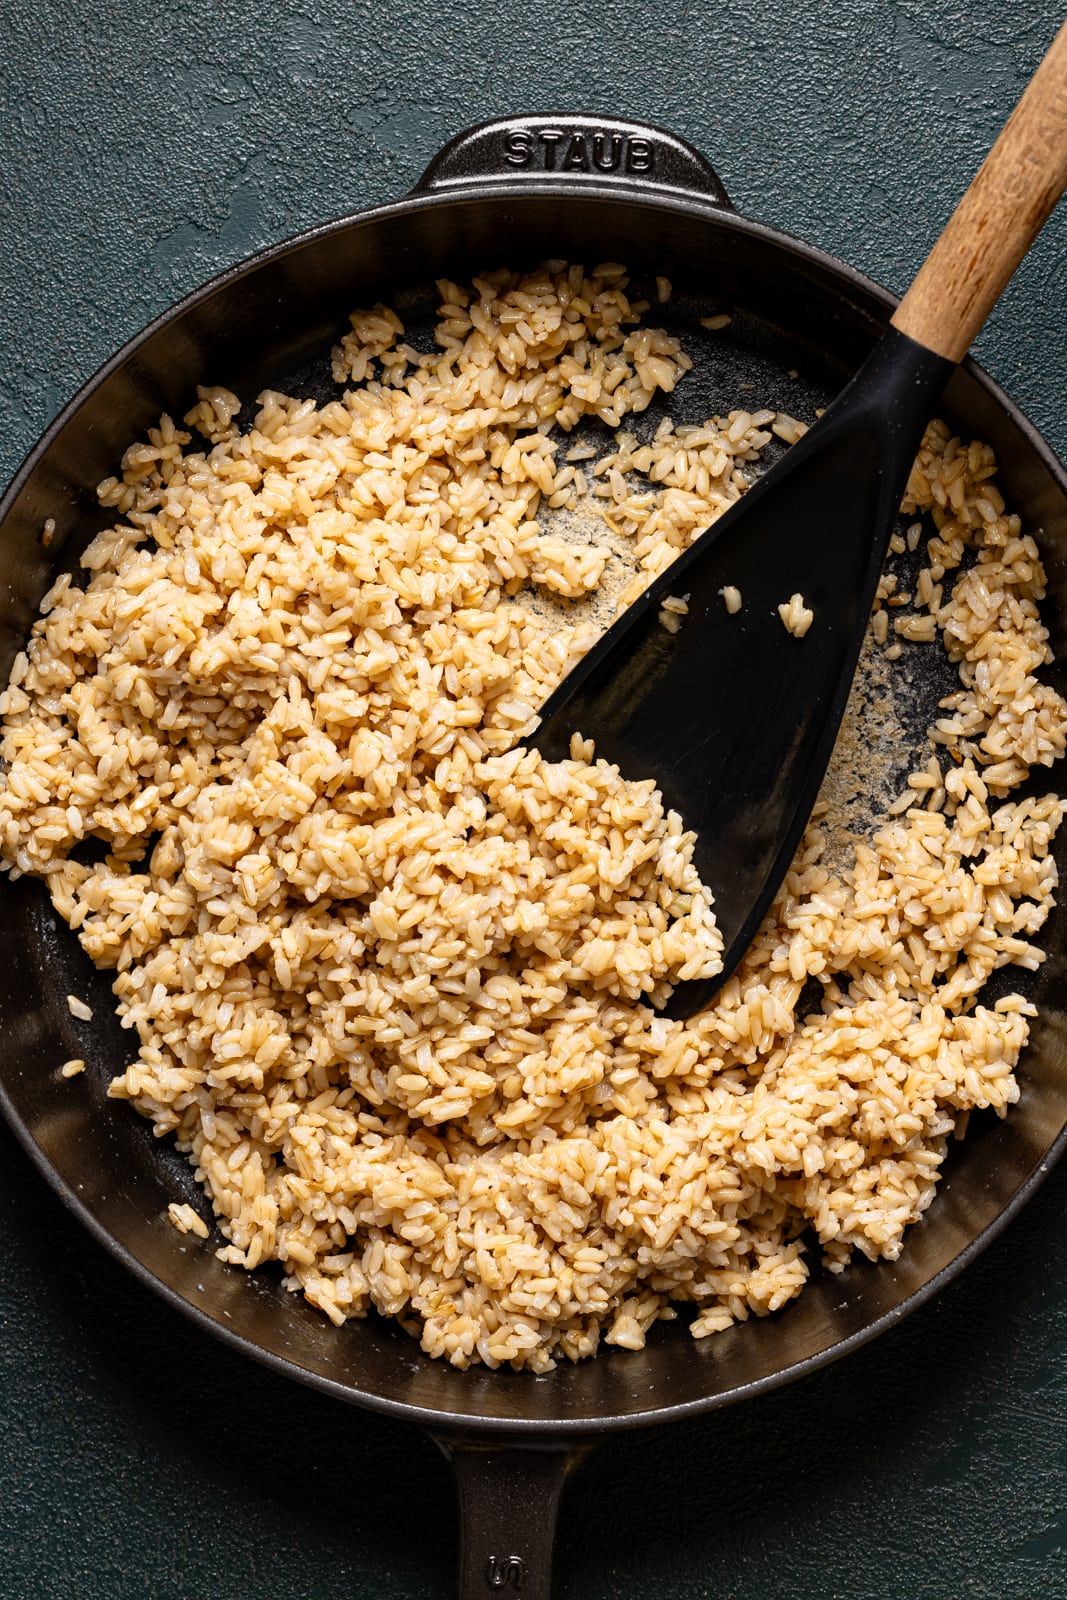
(508, 1498)
(574, 150)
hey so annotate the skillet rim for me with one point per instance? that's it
(550, 1431)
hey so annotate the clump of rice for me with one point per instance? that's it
(186, 1220)
(388, 969)
(797, 618)
(671, 612)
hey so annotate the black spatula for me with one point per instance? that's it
(734, 716)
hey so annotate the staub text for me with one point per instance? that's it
(557, 150)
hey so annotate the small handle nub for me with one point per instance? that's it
(508, 1498)
(574, 149)
(997, 220)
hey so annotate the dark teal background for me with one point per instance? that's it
(144, 147)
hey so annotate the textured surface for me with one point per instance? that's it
(142, 150)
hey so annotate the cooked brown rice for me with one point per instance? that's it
(797, 618)
(389, 969)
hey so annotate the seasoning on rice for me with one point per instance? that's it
(388, 969)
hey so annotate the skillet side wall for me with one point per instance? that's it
(260, 326)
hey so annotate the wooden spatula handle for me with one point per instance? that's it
(997, 220)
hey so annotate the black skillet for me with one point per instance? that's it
(510, 192)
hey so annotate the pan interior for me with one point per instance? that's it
(799, 326)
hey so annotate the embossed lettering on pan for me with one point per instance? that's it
(554, 150)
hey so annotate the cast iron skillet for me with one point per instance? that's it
(512, 192)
